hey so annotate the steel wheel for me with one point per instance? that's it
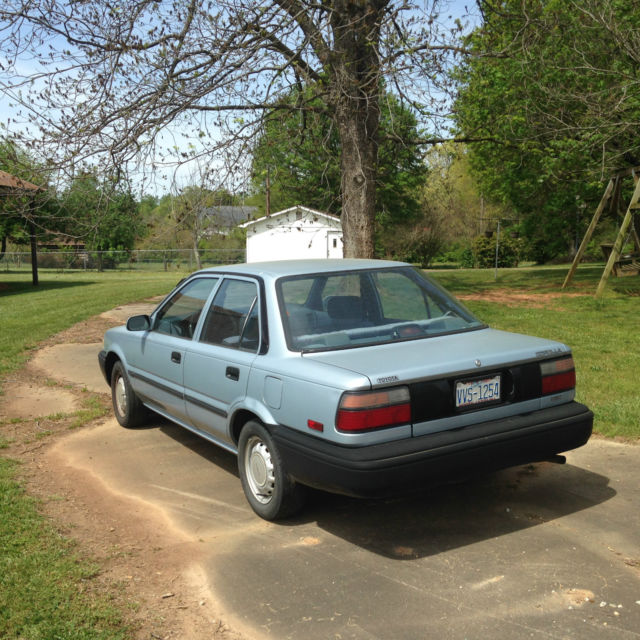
(121, 395)
(271, 492)
(260, 473)
(128, 409)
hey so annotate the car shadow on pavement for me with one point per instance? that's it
(211, 452)
(441, 517)
(451, 516)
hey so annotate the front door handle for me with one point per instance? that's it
(176, 357)
(233, 373)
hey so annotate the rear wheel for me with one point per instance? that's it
(128, 409)
(270, 491)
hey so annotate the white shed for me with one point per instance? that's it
(298, 232)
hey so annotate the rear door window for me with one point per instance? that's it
(233, 318)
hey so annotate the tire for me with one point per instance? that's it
(270, 491)
(128, 409)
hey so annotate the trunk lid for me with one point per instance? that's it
(460, 354)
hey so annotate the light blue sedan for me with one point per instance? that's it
(361, 377)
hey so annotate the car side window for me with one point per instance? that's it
(180, 315)
(233, 318)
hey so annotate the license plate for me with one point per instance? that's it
(476, 392)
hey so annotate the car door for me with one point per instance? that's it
(217, 364)
(156, 365)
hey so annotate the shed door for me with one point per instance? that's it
(334, 244)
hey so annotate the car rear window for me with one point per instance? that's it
(358, 308)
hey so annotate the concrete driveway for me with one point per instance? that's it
(543, 551)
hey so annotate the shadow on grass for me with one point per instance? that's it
(16, 288)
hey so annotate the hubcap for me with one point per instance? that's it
(259, 469)
(121, 396)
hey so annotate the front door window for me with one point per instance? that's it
(180, 315)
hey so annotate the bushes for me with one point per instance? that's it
(482, 253)
(415, 244)
(457, 255)
(509, 251)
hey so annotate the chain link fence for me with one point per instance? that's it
(135, 260)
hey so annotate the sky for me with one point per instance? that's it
(165, 177)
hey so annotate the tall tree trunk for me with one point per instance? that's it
(34, 250)
(355, 67)
(358, 137)
(196, 252)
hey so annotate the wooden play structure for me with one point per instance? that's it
(617, 263)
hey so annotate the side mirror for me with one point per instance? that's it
(139, 323)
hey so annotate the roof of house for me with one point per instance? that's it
(11, 182)
(228, 216)
(297, 207)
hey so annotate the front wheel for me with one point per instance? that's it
(128, 409)
(270, 491)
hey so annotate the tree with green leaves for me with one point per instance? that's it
(553, 89)
(103, 214)
(113, 79)
(298, 154)
(188, 216)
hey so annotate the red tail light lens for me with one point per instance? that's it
(374, 410)
(558, 375)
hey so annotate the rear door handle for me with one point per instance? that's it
(233, 373)
(176, 357)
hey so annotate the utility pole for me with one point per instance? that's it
(495, 276)
(268, 204)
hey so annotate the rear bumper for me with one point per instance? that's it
(386, 468)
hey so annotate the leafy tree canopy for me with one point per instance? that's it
(104, 214)
(300, 152)
(557, 107)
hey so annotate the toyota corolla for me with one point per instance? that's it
(360, 377)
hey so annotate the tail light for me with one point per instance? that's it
(558, 375)
(374, 409)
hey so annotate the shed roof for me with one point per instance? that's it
(297, 207)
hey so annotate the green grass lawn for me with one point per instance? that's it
(40, 577)
(30, 314)
(43, 583)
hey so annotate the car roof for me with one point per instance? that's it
(281, 268)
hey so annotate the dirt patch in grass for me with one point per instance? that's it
(92, 330)
(28, 399)
(511, 298)
(150, 569)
